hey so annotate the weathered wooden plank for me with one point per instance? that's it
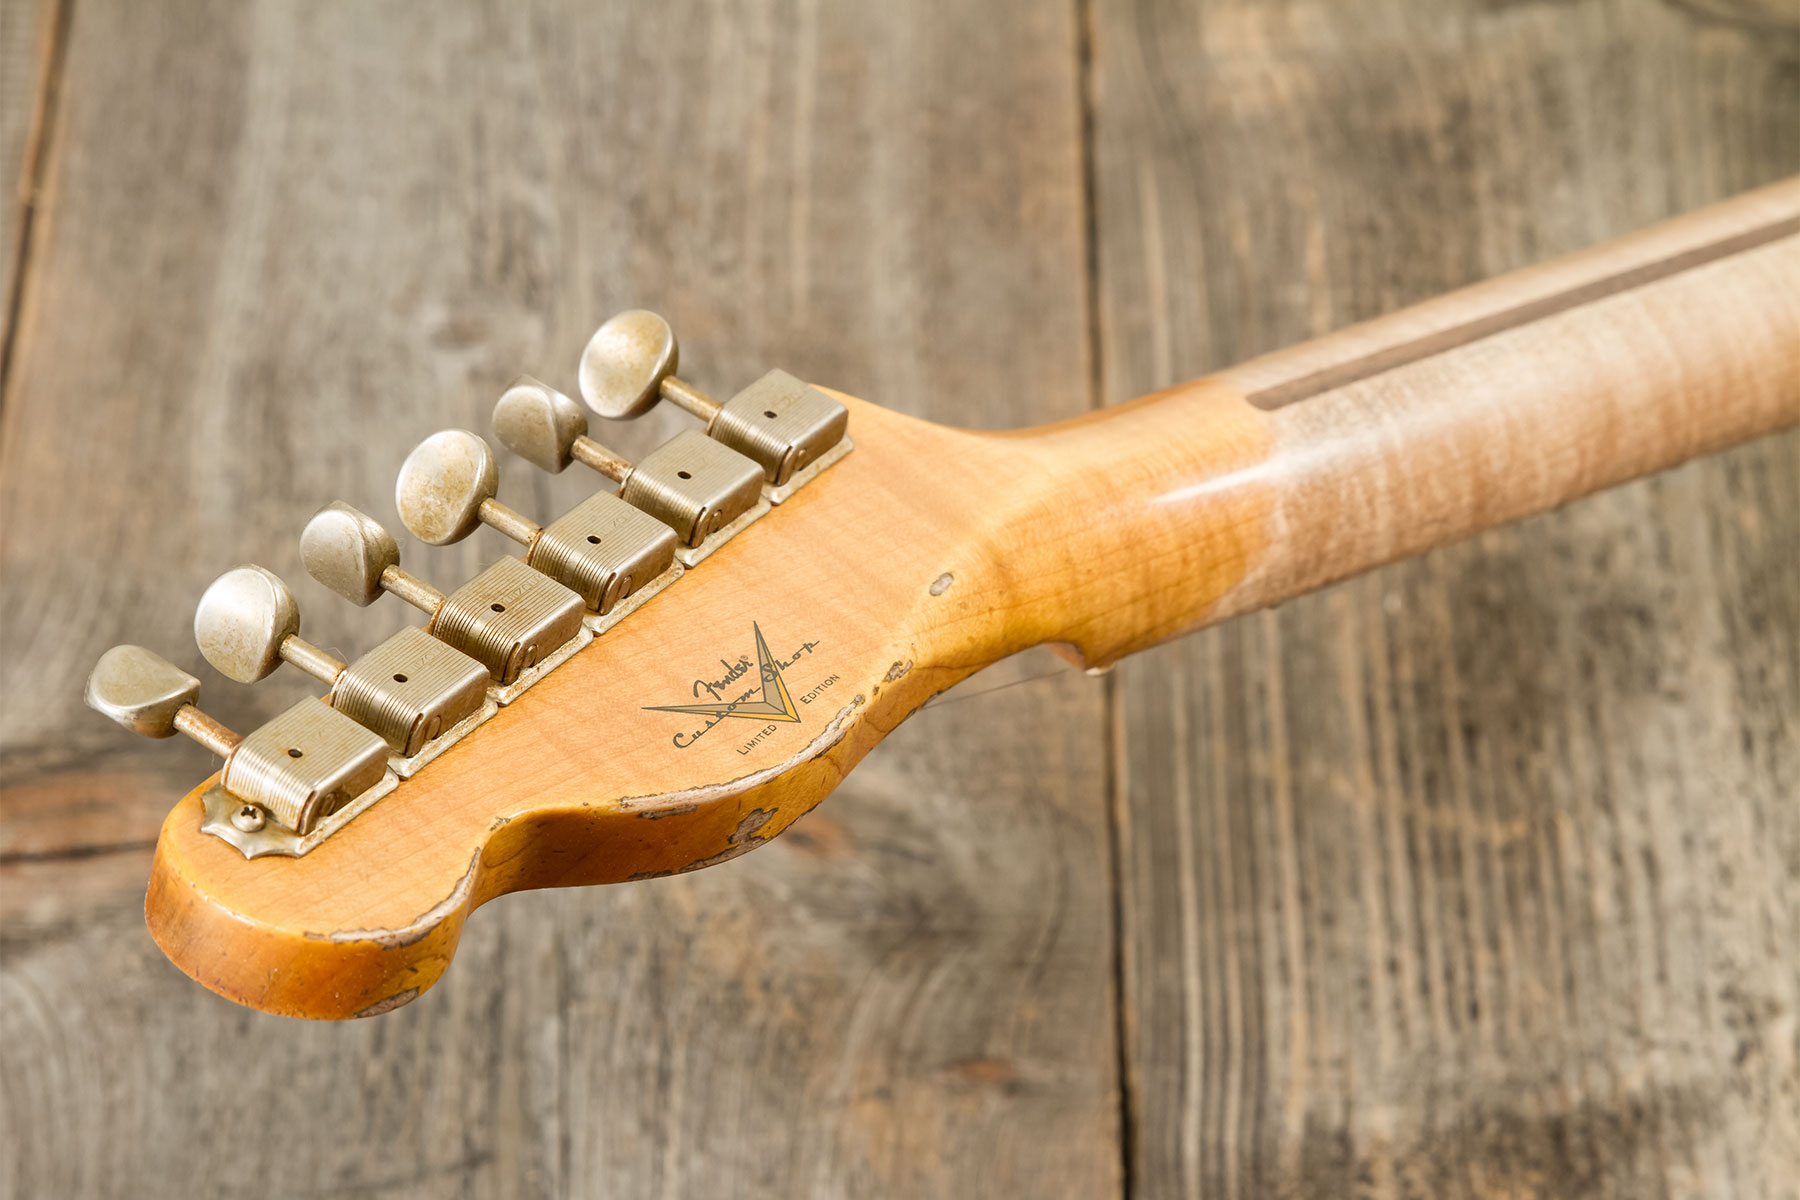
(1475, 876)
(285, 240)
(22, 81)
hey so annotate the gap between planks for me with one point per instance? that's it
(53, 43)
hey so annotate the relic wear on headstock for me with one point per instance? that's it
(930, 552)
(613, 555)
(512, 620)
(706, 492)
(788, 428)
(417, 693)
(297, 770)
(415, 690)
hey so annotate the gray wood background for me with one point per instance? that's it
(1479, 876)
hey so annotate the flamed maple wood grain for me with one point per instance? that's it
(930, 553)
(1448, 881)
(1472, 877)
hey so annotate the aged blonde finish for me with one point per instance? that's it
(930, 552)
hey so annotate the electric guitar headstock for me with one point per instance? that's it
(672, 672)
(656, 681)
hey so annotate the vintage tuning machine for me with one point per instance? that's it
(614, 556)
(516, 622)
(706, 492)
(284, 787)
(787, 427)
(418, 694)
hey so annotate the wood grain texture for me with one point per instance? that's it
(349, 225)
(24, 84)
(1531, 816)
(932, 552)
(1474, 877)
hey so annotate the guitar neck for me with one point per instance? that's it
(676, 741)
(1243, 489)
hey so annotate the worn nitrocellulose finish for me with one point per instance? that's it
(1466, 877)
(1106, 535)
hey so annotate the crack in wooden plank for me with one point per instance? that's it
(53, 41)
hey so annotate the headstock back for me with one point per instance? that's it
(701, 716)
(697, 728)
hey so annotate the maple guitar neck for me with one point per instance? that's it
(1243, 489)
(929, 552)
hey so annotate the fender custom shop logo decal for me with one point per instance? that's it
(767, 699)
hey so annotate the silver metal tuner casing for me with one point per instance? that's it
(786, 426)
(515, 621)
(702, 489)
(412, 689)
(614, 555)
(306, 764)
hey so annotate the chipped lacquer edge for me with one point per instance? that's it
(363, 972)
(978, 576)
(949, 550)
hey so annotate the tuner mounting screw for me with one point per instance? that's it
(249, 818)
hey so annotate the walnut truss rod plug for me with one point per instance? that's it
(790, 429)
(514, 621)
(412, 689)
(613, 555)
(703, 490)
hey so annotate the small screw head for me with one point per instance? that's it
(442, 486)
(626, 361)
(249, 818)
(347, 550)
(538, 423)
(241, 621)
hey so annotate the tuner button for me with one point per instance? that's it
(348, 551)
(539, 424)
(243, 619)
(625, 363)
(443, 484)
(141, 690)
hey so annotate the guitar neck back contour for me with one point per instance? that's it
(729, 704)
